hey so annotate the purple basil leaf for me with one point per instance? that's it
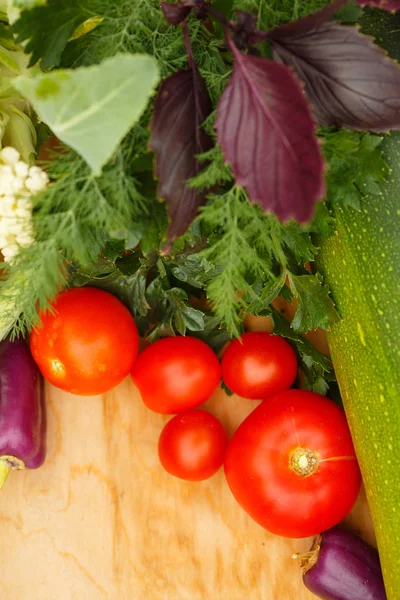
(177, 136)
(245, 28)
(382, 4)
(200, 13)
(349, 80)
(246, 21)
(266, 132)
(174, 13)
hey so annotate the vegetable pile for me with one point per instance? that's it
(295, 445)
(167, 171)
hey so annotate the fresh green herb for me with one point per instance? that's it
(110, 230)
(355, 166)
(47, 29)
(314, 306)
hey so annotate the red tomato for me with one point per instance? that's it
(88, 344)
(291, 464)
(192, 445)
(258, 364)
(176, 373)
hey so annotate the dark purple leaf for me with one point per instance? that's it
(266, 131)
(245, 26)
(174, 14)
(203, 6)
(382, 4)
(200, 13)
(350, 81)
(246, 21)
(180, 109)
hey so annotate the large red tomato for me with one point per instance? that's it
(192, 445)
(291, 464)
(176, 373)
(258, 364)
(88, 344)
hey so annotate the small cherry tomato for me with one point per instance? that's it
(259, 364)
(176, 373)
(87, 345)
(291, 464)
(192, 445)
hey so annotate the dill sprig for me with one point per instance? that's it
(72, 219)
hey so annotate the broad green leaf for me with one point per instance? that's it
(179, 323)
(355, 166)
(316, 367)
(13, 8)
(92, 108)
(113, 249)
(193, 319)
(314, 306)
(349, 13)
(46, 30)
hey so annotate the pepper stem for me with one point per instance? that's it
(309, 559)
(5, 468)
(7, 463)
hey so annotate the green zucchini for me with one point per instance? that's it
(361, 265)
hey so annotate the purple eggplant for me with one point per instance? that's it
(341, 566)
(22, 409)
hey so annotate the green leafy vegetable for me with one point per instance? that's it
(47, 29)
(149, 290)
(250, 252)
(72, 219)
(109, 230)
(355, 166)
(316, 367)
(350, 12)
(91, 109)
(314, 306)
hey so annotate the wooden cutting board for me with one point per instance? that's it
(102, 520)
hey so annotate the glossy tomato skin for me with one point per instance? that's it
(175, 374)
(259, 364)
(192, 445)
(88, 344)
(259, 469)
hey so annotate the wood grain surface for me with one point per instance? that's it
(102, 520)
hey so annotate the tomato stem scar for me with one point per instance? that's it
(304, 461)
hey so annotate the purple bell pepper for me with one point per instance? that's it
(22, 409)
(341, 566)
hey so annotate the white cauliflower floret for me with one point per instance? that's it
(18, 182)
(9, 156)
